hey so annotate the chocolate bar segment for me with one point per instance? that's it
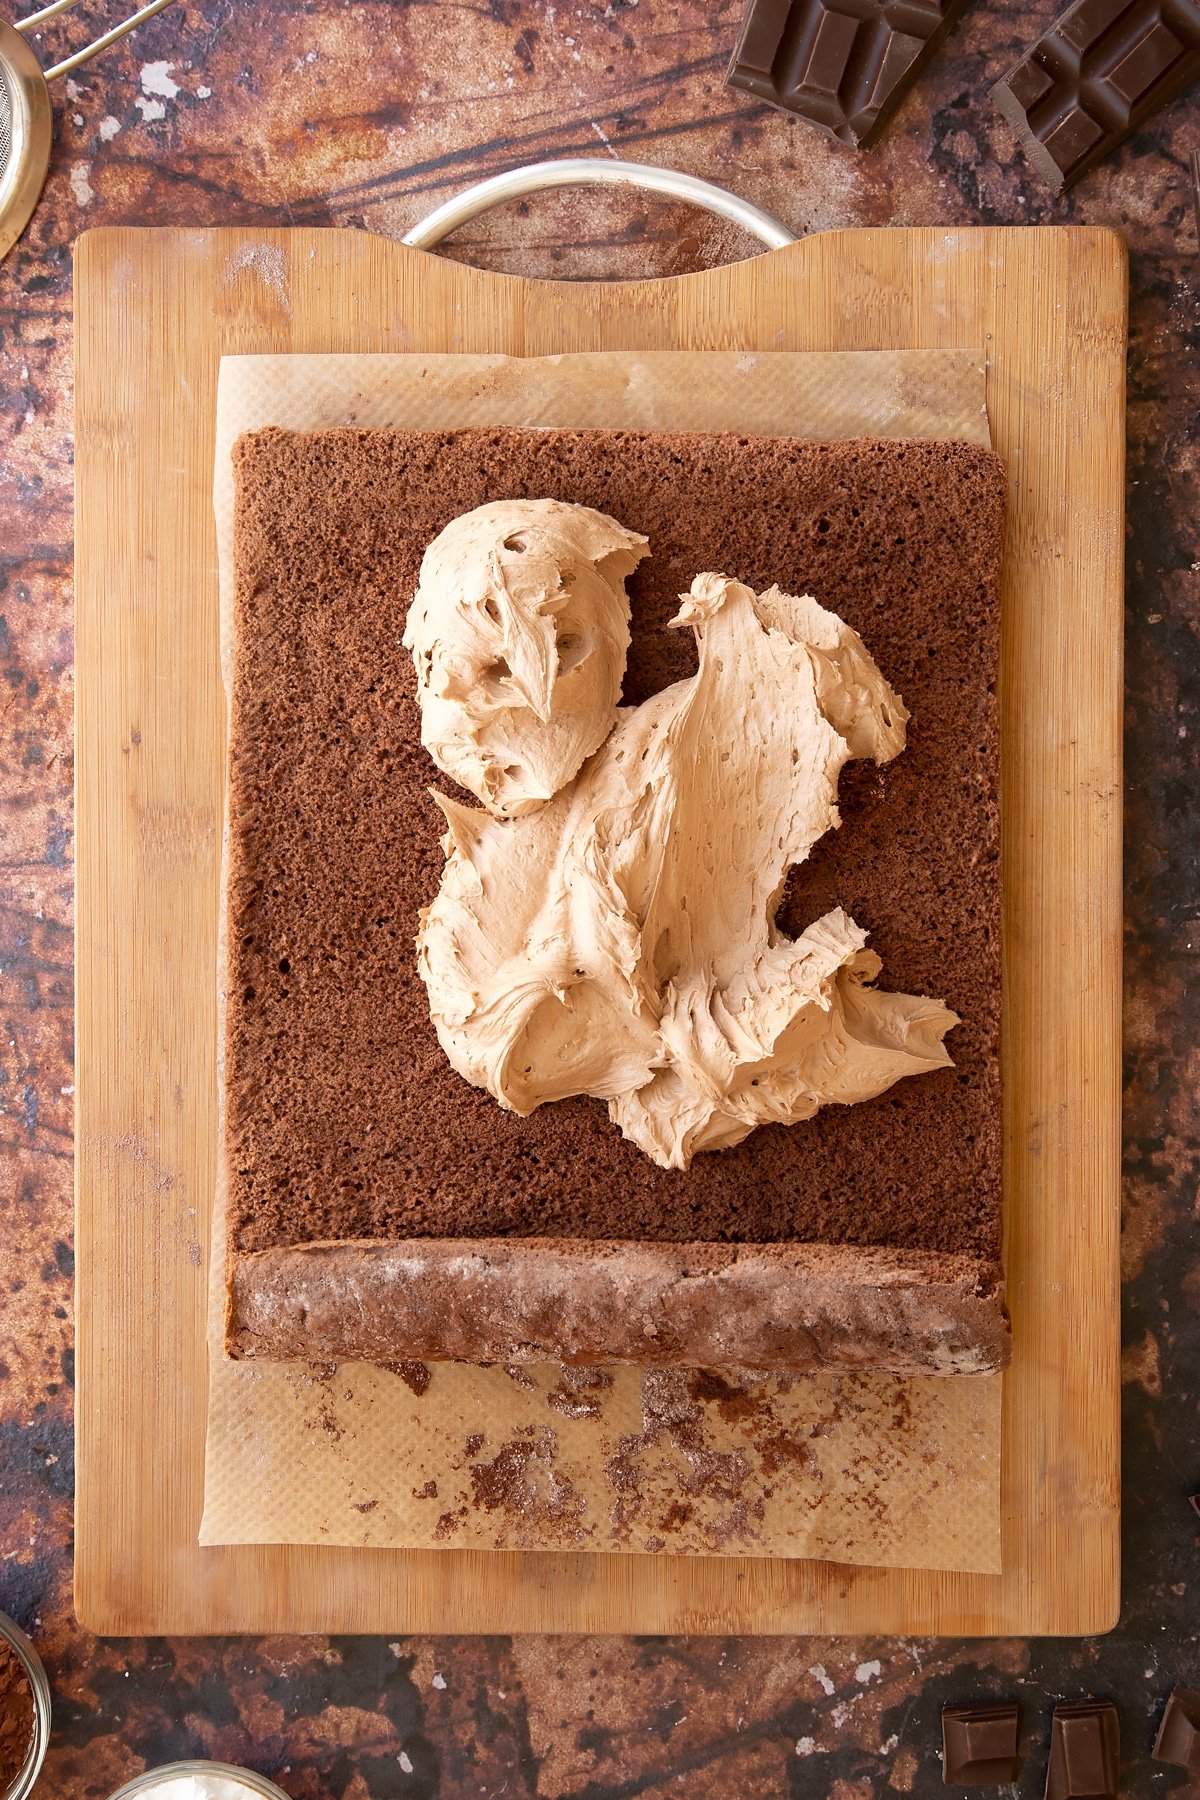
(1085, 1752)
(1178, 1739)
(979, 1744)
(844, 65)
(1103, 68)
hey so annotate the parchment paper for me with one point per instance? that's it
(854, 1468)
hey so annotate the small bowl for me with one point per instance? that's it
(145, 1783)
(22, 1785)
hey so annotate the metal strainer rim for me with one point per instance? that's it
(5, 121)
(30, 130)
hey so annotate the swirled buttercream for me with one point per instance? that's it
(621, 940)
(519, 631)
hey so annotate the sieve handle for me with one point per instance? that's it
(34, 21)
(586, 171)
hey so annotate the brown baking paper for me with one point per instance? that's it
(854, 1468)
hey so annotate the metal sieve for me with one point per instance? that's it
(26, 121)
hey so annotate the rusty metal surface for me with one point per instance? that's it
(366, 114)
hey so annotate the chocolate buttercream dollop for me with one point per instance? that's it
(519, 631)
(621, 942)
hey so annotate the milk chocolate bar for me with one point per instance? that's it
(838, 64)
(1103, 68)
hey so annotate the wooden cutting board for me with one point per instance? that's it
(155, 310)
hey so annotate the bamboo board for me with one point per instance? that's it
(155, 310)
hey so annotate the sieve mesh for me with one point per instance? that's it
(5, 122)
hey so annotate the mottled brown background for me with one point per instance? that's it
(367, 114)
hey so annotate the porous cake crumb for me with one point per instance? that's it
(344, 1120)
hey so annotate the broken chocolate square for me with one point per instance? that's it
(1178, 1739)
(1085, 1752)
(1103, 68)
(979, 1744)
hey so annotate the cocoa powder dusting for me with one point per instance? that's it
(734, 1403)
(416, 1375)
(16, 1716)
(578, 1392)
(523, 1481)
(780, 1450)
(671, 1411)
(448, 1523)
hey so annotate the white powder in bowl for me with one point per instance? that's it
(199, 1784)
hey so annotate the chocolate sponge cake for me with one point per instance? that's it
(380, 1207)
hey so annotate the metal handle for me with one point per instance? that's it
(35, 20)
(586, 171)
